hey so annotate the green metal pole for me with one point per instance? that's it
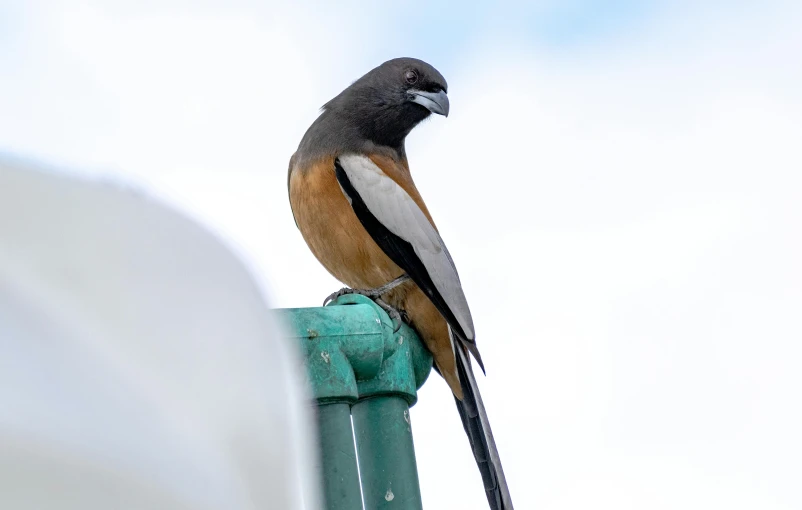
(339, 342)
(386, 454)
(356, 362)
(337, 460)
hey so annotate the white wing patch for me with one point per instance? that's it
(396, 210)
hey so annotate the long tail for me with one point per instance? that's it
(474, 419)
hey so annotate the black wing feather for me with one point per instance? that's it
(400, 251)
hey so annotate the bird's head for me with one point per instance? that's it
(390, 100)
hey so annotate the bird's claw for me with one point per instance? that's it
(334, 295)
(394, 314)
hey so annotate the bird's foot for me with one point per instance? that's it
(394, 314)
(342, 292)
(375, 295)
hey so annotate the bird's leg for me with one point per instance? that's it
(371, 293)
(375, 295)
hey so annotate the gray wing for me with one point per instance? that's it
(405, 234)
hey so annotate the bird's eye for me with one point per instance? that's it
(411, 76)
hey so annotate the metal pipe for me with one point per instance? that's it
(359, 367)
(337, 460)
(386, 454)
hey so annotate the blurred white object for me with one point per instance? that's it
(139, 367)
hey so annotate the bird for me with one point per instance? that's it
(354, 201)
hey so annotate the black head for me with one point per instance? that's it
(386, 103)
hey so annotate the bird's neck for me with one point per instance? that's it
(383, 125)
(385, 128)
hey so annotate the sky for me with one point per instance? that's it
(619, 184)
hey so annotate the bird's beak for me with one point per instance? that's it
(435, 102)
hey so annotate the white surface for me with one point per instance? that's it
(138, 364)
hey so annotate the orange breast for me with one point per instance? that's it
(340, 242)
(333, 232)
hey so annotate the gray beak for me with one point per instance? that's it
(435, 102)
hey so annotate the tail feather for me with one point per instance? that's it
(477, 427)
